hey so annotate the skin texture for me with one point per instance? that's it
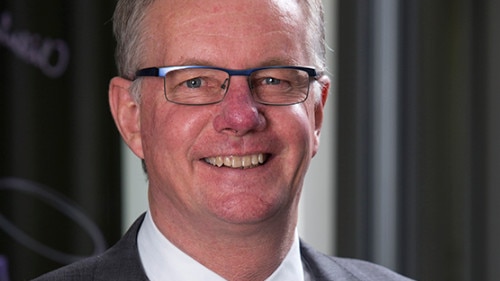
(237, 222)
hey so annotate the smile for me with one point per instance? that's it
(239, 162)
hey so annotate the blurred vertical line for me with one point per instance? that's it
(355, 132)
(385, 130)
(409, 89)
(492, 201)
(478, 127)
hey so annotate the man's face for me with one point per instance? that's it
(178, 141)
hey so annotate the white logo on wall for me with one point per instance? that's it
(50, 55)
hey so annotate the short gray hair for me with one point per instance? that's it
(127, 27)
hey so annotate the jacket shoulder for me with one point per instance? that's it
(120, 262)
(324, 267)
(81, 270)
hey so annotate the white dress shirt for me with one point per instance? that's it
(164, 261)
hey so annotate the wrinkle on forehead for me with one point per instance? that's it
(202, 13)
(223, 20)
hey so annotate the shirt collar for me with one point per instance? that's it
(159, 256)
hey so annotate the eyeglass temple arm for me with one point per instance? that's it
(151, 71)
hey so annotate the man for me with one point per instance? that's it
(223, 101)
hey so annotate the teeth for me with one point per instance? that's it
(247, 161)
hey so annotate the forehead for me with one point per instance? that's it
(180, 29)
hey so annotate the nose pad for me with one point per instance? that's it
(240, 113)
(225, 85)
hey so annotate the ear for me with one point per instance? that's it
(126, 113)
(324, 83)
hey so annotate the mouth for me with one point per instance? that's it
(238, 162)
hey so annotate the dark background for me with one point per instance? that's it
(59, 150)
(447, 137)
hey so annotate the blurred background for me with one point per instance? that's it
(407, 174)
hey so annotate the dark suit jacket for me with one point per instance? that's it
(122, 262)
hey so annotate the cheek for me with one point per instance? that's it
(170, 131)
(157, 129)
(296, 131)
(303, 124)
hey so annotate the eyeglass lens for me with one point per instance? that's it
(279, 86)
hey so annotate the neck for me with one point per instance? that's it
(235, 252)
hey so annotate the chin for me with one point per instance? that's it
(243, 210)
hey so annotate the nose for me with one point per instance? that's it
(239, 114)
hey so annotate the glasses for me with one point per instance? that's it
(202, 85)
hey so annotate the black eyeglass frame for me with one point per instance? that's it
(164, 70)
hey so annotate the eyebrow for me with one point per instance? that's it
(269, 62)
(279, 61)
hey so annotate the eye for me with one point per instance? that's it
(271, 81)
(268, 83)
(194, 83)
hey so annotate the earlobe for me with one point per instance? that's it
(126, 113)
